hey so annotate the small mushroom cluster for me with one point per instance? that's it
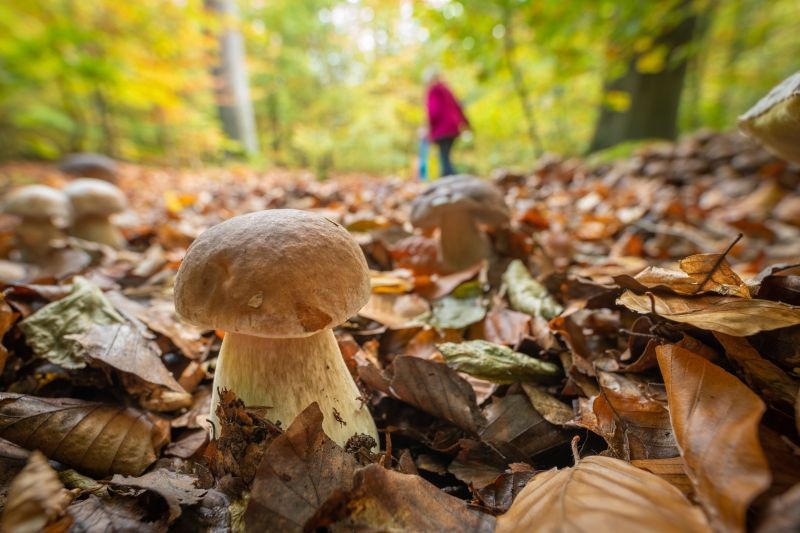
(457, 206)
(83, 209)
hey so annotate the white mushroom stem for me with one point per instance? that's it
(461, 242)
(34, 238)
(289, 374)
(98, 229)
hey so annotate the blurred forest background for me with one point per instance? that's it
(336, 85)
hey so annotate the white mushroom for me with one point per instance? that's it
(774, 121)
(44, 213)
(277, 282)
(94, 201)
(89, 165)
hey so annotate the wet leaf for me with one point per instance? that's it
(733, 316)
(715, 420)
(95, 438)
(496, 363)
(36, 497)
(601, 494)
(127, 349)
(526, 294)
(177, 489)
(48, 330)
(299, 471)
(383, 500)
(436, 389)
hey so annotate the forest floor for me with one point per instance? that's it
(661, 291)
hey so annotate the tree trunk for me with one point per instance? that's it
(654, 97)
(232, 88)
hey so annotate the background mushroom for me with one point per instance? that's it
(774, 121)
(44, 213)
(276, 282)
(89, 165)
(456, 205)
(93, 202)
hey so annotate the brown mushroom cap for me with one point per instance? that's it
(460, 193)
(89, 165)
(275, 273)
(39, 202)
(774, 121)
(93, 197)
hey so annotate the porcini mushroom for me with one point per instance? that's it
(277, 282)
(456, 205)
(89, 165)
(44, 213)
(93, 202)
(774, 121)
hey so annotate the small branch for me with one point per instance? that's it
(576, 455)
(718, 263)
(637, 334)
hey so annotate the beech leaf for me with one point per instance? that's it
(739, 317)
(177, 489)
(95, 438)
(528, 295)
(715, 419)
(601, 494)
(496, 363)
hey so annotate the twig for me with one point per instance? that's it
(717, 263)
(576, 455)
(637, 334)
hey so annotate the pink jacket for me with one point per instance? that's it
(445, 116)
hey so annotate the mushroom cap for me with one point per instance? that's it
(774, 121)
(39, 202)
(89, 165)
(462, 193)
(274, 273)
(93, 197)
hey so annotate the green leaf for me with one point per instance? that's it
(528, 295)
(47, 330)
(496, 363)
(456, 313)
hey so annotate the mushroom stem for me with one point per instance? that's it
(98, 229)
(34, 238)
(461, 242)
(287, 375)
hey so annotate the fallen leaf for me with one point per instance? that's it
(512, 420)
(47, 331)
(500, 494)
(715, 420)
(634, 423)
(394, 310)
(671, 469)
(36, 497)
(601, 494)
(95, 438)
(177, 489)
(547, 405)
(762, 375)
(436, 389)
(7, 318)
(119, 514)
(504, 326)
(526, 294)
(125, 348)
(496, 363)
(734, 316)
(698, 274)
(383, 500)
(451, 312)
(299, 471)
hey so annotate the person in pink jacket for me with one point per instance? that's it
(446, 119)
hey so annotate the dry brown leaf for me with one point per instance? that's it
(783, 513)
(671, 470)
(734, 316)
(604, 495)
(762, 375)
(394, 310)
(7, 318)
(715, 419)
(436, 389)
(299, 471)
(36, 497)
(505, 326)
(635, 424)
(383, 500)
(500, 494)
(513, 421)
(700, 273)
(552, 409)
(117, 515)
(127, 349)
(177, 489)
(95, 438)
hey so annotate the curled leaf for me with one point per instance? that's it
(528, 295)
(496, 363)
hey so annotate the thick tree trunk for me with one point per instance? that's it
(233, 90)
(654, 97)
